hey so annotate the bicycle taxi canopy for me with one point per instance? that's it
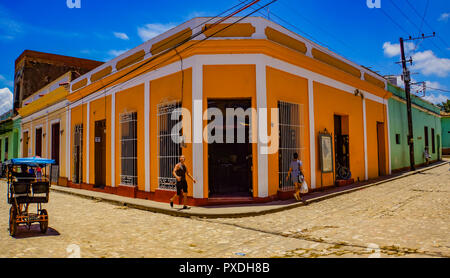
(30, 161)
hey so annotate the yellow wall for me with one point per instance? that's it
(163, 90)
(329, 101)
(229, 81)
(282, 86)
(131, 100)
(47, 130)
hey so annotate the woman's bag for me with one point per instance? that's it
(304, 188)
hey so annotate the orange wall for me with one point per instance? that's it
(229, 81)
(131, 100)
(329, 101)
(163, 90)
(282, 86)
(375, 112)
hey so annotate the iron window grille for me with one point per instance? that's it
(168, 150)
(291, 128)
(77, 176)
(128, 142)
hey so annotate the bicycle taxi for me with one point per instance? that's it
(27, 184)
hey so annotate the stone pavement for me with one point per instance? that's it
(406, 217)
(233, 211)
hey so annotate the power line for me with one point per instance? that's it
(426, 23)
(167, 51)
(423, 17)
(415, 25)
(398, 25)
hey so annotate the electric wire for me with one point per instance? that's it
(169, 58)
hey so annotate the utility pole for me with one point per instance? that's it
(407, 80)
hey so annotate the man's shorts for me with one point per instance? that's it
(181, 185)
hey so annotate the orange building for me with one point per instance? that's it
(121, 128)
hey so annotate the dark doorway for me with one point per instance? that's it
(381, 143)
(55, 143)
(25, 144)
(341, 147)
(6, 149)
(230, 164)
(38, 142)
(438, 139)
(77, 154)
(100, 153)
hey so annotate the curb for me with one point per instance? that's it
(171, 212)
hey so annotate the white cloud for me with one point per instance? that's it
(152, 30)
(5, 81)
(115, 53)
(444, 17)
(6, 100)
(121, 36)
(391, 50)
(436, 98)
(429, 64)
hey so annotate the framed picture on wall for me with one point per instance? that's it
(326, 152)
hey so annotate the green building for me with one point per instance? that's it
(426, 130)
(9, 136)
(445, 123)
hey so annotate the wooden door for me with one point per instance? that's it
(100, 153)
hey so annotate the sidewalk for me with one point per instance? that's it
(233, 211)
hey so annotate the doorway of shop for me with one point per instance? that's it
(381, 142)
(230, 164)
(341, 147)
(25, 144)
(100, 153)
(38, 142)
(55, 142)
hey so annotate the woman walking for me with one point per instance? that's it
(179, 172)
(296, 175)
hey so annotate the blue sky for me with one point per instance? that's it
(102, 29)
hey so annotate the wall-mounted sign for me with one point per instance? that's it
(98, 139)
(326, 152)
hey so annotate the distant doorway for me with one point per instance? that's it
(381, 142)
(25, 144)
(38, 142)
(230, 164)
(100, 153)
(342, 147)
(55, 142)
(438, 139)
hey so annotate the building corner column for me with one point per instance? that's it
(147, 134)
(197, 128)
(87, 141)
(261, 103)
(113, 139)
(312, 133)
(366, 169)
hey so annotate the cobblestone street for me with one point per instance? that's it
(408, 217)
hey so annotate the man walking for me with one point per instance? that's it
(179, 172)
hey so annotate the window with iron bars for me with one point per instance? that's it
(168, 150)
(77, 175)
(290, 140)
(128, 142)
